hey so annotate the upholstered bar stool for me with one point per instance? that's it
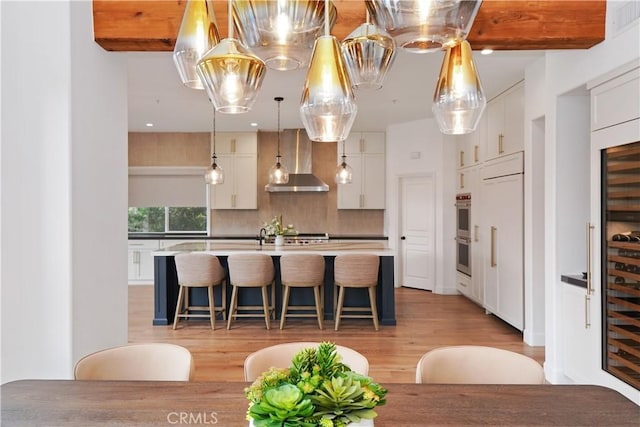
(356, 271)
(197, 270)
(302, 271)
(251, 271)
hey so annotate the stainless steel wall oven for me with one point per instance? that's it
(463, 233)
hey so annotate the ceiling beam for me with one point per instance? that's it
(152, 25)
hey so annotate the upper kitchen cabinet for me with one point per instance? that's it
(505, 123)
(365, 153)
(472, 146)
(238, 156)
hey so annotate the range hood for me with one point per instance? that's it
(296, 151)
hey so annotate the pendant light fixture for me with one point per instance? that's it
(281, 32)
(344, 173)
(278, 174)
(231, 74)
(215, 174)
(198, 33)
(458, 101)
(368, 55)
(328, 107)
(425, 25)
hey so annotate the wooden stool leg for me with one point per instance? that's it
(339, 309)
(178, 306)
(233, 305)
(272, 306)
(285, 304)
(212, 307)
(265, 306)
(318, 300)
(374, 306)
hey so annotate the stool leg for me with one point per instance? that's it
(178, 306)
(374, 306)
(265, 306)
(285, 304)
(339, 309)
(318, 300)
(233, 305)
(272, 306)
(224, 300)
(212, 307)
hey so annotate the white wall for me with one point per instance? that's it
(436, 151)
(63, 190)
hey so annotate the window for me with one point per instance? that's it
(168, 219)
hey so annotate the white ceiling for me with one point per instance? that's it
(155, 94)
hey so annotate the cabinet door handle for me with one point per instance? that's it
(461, 180)
(233, 200)
(590, 228)
(500, 143)
(587, 312)
(475, 154)
(136, 257)
(362, 200)
(362, 142)
(461, 158)
(475, 233)
(494, 231)
(233, 145)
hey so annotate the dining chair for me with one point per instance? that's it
(470, 364)
(302, 271)
(196, 270)
(356, 271)
(137, 362)
(252, 271)
(280, 355)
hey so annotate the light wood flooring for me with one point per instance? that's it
(424, 321)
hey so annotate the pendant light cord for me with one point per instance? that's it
(326, 17)
(230, 29)
(214, 134)
(278, 100)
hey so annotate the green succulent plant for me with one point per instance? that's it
(317, 390)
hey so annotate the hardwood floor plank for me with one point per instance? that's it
(424, 321)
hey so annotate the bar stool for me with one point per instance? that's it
(252, 271)
(302, 271)
(356, 271)
(197, 270)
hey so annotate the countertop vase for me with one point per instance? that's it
(279, 240)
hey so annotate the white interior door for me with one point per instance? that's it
(417, 227)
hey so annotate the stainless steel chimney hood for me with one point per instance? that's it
(296, 151)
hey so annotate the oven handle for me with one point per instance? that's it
(466, 240)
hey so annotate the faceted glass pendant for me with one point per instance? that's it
(215, 174)
(344, 173)
(458, 101)
(368, 55)
(198, 33)
(328, 107)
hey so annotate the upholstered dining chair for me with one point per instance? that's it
(196, 270)
(137, 362)
(469, 364)
(302, 271)
(280, 355)
(356, 271)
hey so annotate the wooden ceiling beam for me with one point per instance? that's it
(152, 25)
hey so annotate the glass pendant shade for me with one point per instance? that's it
(215, 174)
(278, 174)
(344, 173)
(328, 107)
(458, 101)
(281, 32)
(232, 76)
(198, 34)
(424, 25)
(368, 55)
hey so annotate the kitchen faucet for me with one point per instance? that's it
(261, 235)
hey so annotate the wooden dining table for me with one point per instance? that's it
(150, 403)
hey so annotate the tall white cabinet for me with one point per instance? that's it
(238, 156)
(505, 125)
(365, 153)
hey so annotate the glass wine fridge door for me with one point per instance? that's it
(621, 265)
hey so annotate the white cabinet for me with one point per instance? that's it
(366, 155)
(578, 343)
(140, 264)
(505, 123)
(503, 245)
(238, 156)
(471, 147)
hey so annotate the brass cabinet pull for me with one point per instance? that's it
(461, 158)
(362, 143)
(475, 233)
(500, 143)
(362, 200)
(461, 180)
(587, 312)
(475, 154)
(233, 200)
(233, 145)
(590, 228)
(494, 230)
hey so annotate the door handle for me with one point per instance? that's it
(403, 238)
(493, 246)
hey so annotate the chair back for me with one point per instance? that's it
(302, 269)
(137, 362)
(356, 270)
(250, 269)
(197, 269)
(469, 364)
(280, 355)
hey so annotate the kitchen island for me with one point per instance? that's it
(166, 281)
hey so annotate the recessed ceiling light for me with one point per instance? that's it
(254, 124)
(486, 51)
(149, 125)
